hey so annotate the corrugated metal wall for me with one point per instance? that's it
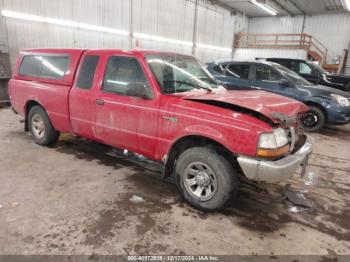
(276, 25)
(3, 34)
(165, 18)
(332, 30)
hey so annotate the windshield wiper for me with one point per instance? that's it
(191, 84)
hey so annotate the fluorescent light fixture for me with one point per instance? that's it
(161, 39)
(217, 48)
(61, 22)
(264, 7)
(347, 4)
(73, 24)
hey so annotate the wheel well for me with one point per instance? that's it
(194, 141)
(28, 106)
(310, 103)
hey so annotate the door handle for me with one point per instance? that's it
(100, 102)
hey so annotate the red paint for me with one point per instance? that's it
(141, 125)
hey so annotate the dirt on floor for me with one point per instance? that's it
(80, 197)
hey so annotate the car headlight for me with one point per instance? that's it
(273, 144)
(343, 101)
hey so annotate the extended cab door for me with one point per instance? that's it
(81, 96)
(121, 117)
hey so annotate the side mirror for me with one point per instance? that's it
(138, 89)
(284, 83)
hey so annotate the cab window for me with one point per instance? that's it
(87, 72)
(122, 73)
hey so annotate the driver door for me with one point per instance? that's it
(122, 120)
(269, 79)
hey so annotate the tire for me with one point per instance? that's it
(198, 164)
(318, 117)
(40, 127)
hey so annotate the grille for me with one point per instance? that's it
(295, 136)
(298, 144)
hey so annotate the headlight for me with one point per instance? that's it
(273, 144)
(343, 101)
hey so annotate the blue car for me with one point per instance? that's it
(328, 106)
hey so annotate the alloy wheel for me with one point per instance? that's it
(200, 181)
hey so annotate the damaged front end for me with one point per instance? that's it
(283, 165)
(280, 151)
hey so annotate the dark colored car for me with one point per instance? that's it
(327, 105)
(314, 73)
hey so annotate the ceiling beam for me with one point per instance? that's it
(295, 6)
(282, 7)
(225, 6)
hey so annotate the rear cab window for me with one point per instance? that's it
(44, 66)
(56, 66)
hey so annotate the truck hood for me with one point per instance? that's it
(270, 105)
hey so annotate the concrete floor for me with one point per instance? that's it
(74, 198)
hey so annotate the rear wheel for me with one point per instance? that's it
(205, 178)
(40, 127)
(314, 119)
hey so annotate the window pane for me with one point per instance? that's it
(305, 69)
(44, 66)
(239, 71)
(30, 66)
(87, 72)
(122, 73)
(264, 73)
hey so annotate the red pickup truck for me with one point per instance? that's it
(166, 107)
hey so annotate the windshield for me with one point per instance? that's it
(317, 68)
(180, 73)
(292, 76)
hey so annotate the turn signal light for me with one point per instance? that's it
(269, 153)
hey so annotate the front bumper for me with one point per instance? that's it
(338, 115)
(275, 171)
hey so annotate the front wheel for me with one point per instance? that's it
(314, 120)
(206, 179)
(40, 127)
